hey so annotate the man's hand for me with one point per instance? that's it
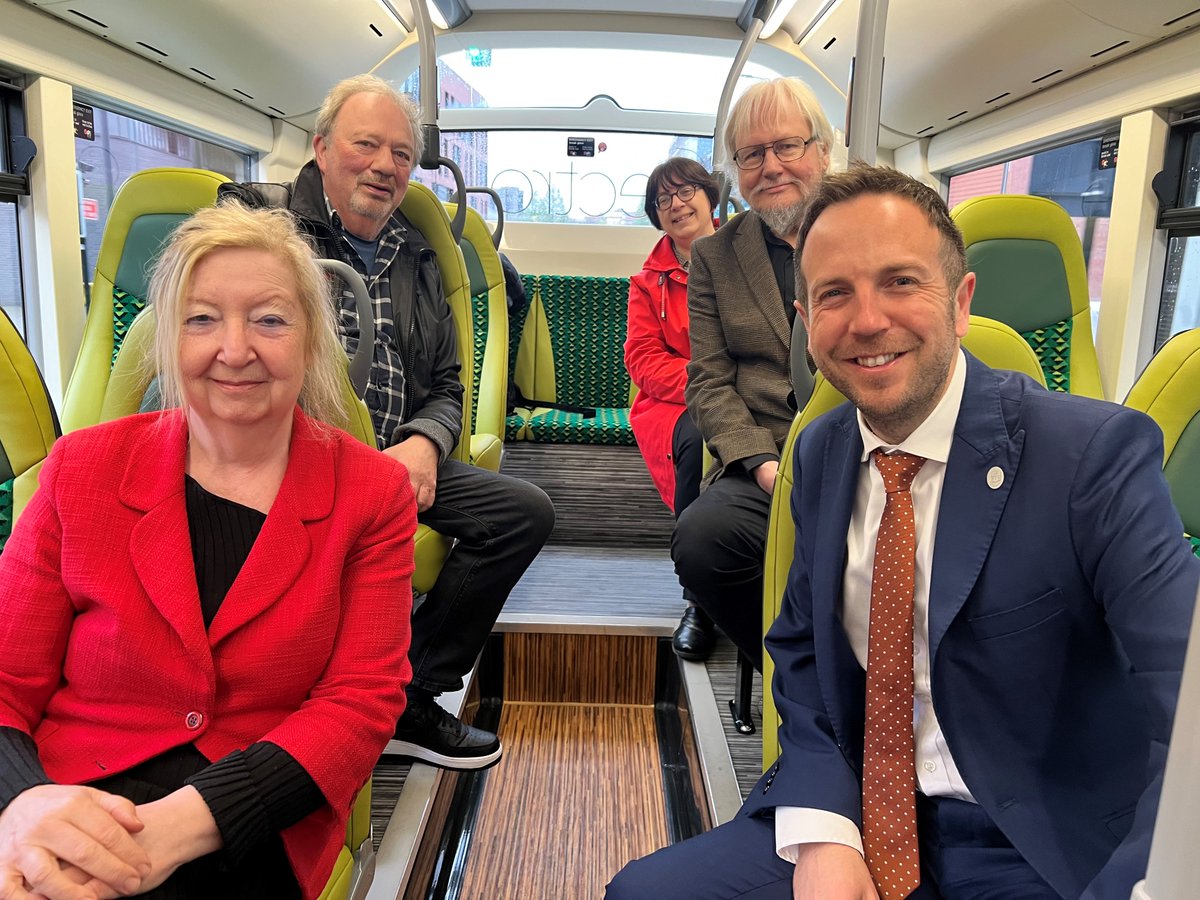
(51, 825)
(765, 475)
(832, 872)
(420, 456)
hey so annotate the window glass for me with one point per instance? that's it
(122, 145)
(1078, 177)
(556, 176)
(477, 77)
(1180, 305)
(11, 297)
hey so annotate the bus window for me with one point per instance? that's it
(11, 296)
(1078, 177)
(1179, 308)
(577, 177)
(115, 146)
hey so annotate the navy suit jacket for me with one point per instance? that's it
(1059, 610)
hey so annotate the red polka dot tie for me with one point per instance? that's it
(889, 774)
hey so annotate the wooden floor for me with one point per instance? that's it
(579, 793)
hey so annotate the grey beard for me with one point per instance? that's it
(784, 220)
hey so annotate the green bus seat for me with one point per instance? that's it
(489, 357)
(995, 344)
(1032, 276)
(28, 425)
(144, 212)
(571, 355)
(1167, 392)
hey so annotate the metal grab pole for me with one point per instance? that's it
(866, 83)
(735, 72)
(1171, 873)
(427, 47)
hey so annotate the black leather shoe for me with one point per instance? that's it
(694, 638)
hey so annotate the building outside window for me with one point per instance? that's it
(1078, 177)
(121, 145)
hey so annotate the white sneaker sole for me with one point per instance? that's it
(424, 754)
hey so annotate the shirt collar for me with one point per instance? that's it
(933, 437)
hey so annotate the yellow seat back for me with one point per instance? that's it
(1032, 276)
(489, 369)
(427, 214)
(144, 212)
(1168, 392)
(992, 342)
(28, 426)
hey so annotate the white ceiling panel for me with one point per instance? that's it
(277, 56)
(945, 66)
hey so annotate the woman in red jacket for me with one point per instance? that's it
(206, 610)
(680, 198)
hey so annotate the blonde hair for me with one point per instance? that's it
(768, 103)
(368, 84)
(234, 226)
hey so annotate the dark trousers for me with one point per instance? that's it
(964, 856)
(687, 453)
(500, 523)
(718, 548)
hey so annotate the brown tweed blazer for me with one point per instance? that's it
(738, 377)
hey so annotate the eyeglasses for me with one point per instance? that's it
(786, 149)
(685, 193)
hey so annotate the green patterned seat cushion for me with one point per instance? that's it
(6, 511)
(479, 323)
(125, 309)
(1052, 346)
(609, 426)
(586, 317)
(514, 426)
(1195, 542)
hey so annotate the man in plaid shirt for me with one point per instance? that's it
(347, 200)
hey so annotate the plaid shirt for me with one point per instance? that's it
(385, 385)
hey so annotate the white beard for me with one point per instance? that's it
(784, 220)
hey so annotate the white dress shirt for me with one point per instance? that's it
(937, 775)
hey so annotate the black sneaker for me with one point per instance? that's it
(426, 732)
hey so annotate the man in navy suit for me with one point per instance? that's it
(1050, 603)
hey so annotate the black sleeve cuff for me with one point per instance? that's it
(20, 768)
(255, 793)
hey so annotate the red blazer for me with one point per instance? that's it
(656, 354)
(104, 658)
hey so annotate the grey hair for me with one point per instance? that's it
(368, 84)
(769, 102)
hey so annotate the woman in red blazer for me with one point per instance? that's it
(203, 649)
(680, 198)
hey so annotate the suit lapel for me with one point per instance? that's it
(750, 249)
(282, 548)
(160, 542)
(981, 455)
(841, 678)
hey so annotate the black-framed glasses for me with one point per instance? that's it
(785, 149)
(685, 193)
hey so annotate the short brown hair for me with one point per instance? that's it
(676, 172)
(861, 179)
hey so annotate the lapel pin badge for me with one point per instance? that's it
(995, 477)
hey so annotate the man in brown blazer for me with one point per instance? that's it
(740, 292)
